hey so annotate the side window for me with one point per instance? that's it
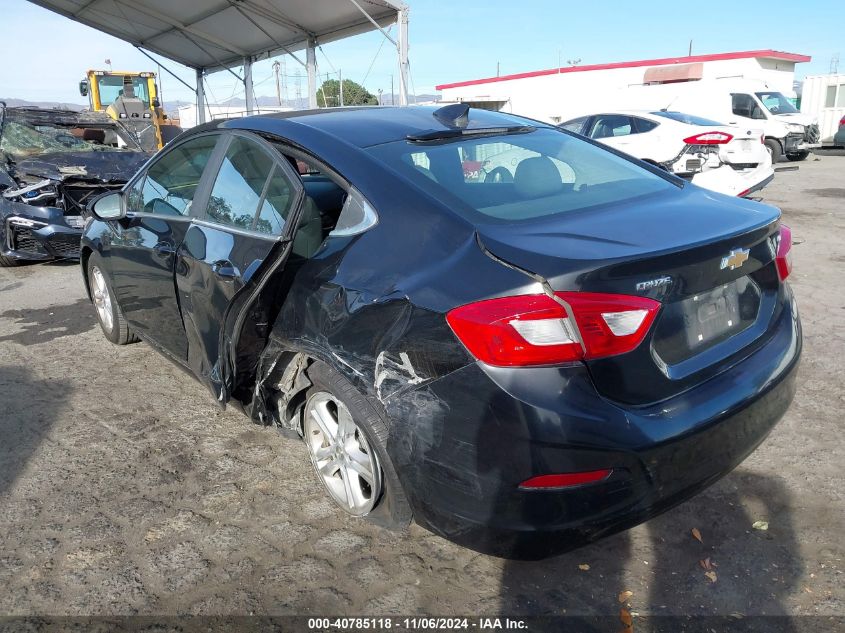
(744, 105)
(641, 126)
(240, 185)
(608, 125)
(275, 208)
(575, 125)
(169, 185)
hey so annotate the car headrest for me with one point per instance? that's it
(537, 177)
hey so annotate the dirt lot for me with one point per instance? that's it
(123, 490)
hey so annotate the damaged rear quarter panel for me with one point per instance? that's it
(373, 307)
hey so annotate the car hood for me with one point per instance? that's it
(796, 117)
(105, 166)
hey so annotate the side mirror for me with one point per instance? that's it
(156, 103)
(83, 87)
(108, 206)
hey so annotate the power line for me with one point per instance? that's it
(378, 52)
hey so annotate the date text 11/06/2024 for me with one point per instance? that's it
(416, 623)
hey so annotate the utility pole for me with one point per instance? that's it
(392, 96)
(340, 80)
(689, 53)
(276, 66)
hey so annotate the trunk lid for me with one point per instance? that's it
(708, 258)
(745, 148)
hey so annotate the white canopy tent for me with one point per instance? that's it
(213, 35)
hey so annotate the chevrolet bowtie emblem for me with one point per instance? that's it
(735, 259)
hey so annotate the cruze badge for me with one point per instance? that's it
(654, 283)
(735, 259)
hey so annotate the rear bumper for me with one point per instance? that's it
(729, 181)
(465, 443)
(36, 233)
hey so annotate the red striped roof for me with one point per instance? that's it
(764, 54)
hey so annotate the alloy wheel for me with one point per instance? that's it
(102, 299)
(341, 455)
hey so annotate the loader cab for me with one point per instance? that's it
(132, 99)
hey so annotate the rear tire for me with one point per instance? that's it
(774, 150)
(798, 156)
(109, 315)
(383, 501)
(8, 262)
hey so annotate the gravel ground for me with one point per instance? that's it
(124, 490)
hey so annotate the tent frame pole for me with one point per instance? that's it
(402, 49)
(311, 66)
(249, 95)
(200, 97)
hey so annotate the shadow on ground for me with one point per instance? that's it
(755, 570)
(28, 409)
(46, 324)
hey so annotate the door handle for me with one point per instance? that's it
(224, 270)
(164, 250)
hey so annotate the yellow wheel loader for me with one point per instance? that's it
(131, 99)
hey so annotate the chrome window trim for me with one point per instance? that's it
(227, 228)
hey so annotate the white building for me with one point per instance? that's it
(188, 113)
(823, 96)
(558, 94)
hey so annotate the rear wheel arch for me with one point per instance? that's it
(393, 509)
(283, 381)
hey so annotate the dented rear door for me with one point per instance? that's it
(240, 235)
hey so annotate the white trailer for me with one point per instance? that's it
(823, 97)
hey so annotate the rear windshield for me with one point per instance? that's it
(520, 176)
(689, 119)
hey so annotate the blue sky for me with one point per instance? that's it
(44, 55)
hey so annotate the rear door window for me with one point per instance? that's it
(641, 126)
(169, 186)
(240, 183)
(611, 125)
(276, 205)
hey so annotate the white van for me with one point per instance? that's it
(735, 102)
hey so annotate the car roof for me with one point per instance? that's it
(364, 126)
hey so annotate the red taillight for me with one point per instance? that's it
(842, 121)
(763, 139)
(783, 259)
(546, 482)
(709, 138)
(537, 330)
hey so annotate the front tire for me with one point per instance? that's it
(346, 439)
(774, 150)
(109, 315)
(798, 156)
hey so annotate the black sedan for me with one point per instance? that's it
(519, 364)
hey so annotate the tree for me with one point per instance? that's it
(353, 94)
